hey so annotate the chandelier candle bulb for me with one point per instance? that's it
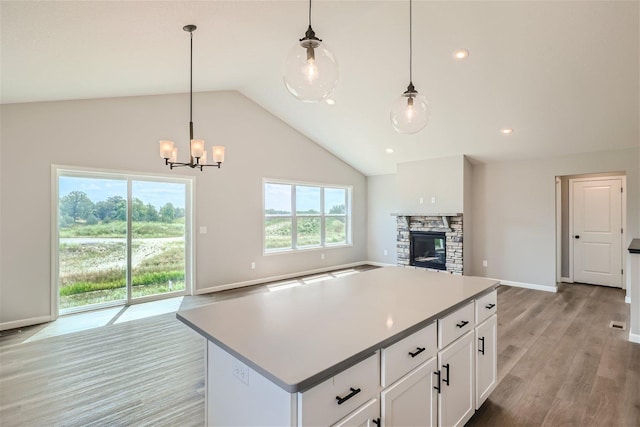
(218, 153)
(197, 148)
(166, 148)
(174, 155)
(203, 158)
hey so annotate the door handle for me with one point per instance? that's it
(446, 381)
(437, 387)
(576, 237)
(481, 350)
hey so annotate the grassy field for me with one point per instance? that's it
(92, 261)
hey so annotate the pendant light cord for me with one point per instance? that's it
(410, 42)
(309, 13)
(191, 89)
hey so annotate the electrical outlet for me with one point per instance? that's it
(421, 200)
(321, 256)
(433, 200)
(240, 371)
(385, 252)
(484, 263)
(203, 229)
(253, 265)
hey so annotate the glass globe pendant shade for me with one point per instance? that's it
(310, 71)
(410, 112)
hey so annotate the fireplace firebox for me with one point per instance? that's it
(428, 249)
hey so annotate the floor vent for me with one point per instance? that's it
(618, 325)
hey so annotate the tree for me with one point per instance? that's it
(112, 209)
(138, 210)
(337, 210)
(152, 213)
(167, 213)
(77, 205)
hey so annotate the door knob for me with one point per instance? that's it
(577, 237)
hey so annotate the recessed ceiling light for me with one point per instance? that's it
(461, 54)
(330, 101)
(389, 150)
(506, 131)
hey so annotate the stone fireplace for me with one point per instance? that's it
(449, 224)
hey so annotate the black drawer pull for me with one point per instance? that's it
(437, 387)
(446, 381)
(489, 306)
(376, 421)
(481, 350)
(354, 391)
(462, 324)
(420, 350)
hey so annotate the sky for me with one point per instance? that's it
(156, 193)
(278, 197)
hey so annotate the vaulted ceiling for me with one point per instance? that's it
(563, 75)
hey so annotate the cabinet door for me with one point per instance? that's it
(411, 401)
(368, 415)
(456, 403)
(486, 359)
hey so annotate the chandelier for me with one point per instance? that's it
(198, 154)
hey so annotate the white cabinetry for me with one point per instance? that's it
(456, 400)
(486, 359)
(368, 415)
(411, 401)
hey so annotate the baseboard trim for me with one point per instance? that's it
(380, 264)
(566, 280)
(634, 338)
(24, 322)
(533, 286)
(276, 278)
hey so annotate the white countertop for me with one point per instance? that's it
(300, 336)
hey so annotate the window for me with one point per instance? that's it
(320, 216)
(121, 238)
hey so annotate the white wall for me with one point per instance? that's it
(442, 178)
(514, 212)
(381, 225)
(122, 134)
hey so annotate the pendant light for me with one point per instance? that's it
(310, 71)
(198, 154)
(410, 112)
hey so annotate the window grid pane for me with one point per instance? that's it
(321, 216)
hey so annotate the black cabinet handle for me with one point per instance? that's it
(577, 237)
(462, 324)
(446, 381)
(481, 350)
(376, 421)
(420, 350)
(437, 387)
(354, 391)
(489, 306)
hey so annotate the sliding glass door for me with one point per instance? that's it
(120, 238)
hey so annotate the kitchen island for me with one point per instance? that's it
(336, 351)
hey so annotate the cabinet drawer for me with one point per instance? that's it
(400, 358)
(486, 306)
(363, 416)
(355, 386)
(455, 324)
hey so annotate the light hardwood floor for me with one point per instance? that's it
(559, 364)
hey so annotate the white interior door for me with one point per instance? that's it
(597, 232)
